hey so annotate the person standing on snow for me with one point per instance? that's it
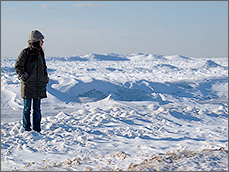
(32, 71)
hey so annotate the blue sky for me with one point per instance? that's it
(189, 28)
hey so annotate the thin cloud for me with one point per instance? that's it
(10, 8)
(87, 5)
(47, 7)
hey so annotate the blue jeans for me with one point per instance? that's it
(36, 114)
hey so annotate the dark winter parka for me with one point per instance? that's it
(35, 66)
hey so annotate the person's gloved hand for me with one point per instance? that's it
(24, 76)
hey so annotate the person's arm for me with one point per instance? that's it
(20, 66)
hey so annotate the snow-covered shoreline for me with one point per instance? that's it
(105, 112)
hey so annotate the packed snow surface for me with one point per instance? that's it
(121, 112)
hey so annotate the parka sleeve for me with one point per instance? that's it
(45, 71)
(20, 63)
(44, 66)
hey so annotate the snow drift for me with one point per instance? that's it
(121, 112)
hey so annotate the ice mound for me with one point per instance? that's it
(211, 64)
(176, 57)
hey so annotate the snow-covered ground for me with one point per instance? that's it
(121, 112)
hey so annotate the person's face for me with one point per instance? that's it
(41, 42)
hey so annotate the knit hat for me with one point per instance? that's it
(35, 36)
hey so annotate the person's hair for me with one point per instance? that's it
(35, 45)
(35, 48)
